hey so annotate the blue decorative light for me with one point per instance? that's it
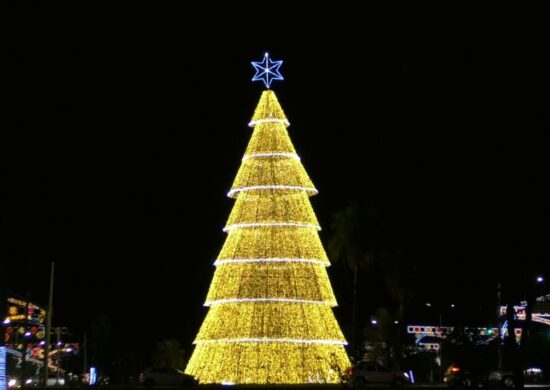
(3, 376)
(267, 70)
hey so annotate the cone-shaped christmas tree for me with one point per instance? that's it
(270, 318)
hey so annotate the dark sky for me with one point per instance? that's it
(130, 123)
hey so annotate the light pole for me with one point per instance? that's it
(57, 355)
(499, 345)
(48, 328)
(440, 308)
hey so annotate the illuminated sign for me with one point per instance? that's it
(93, 376)
(3, 381)
(18, 310)
(421, 331)
(540, 317)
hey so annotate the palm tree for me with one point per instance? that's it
(169, 353)
(361, 239)
(349, 244)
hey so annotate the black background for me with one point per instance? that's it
(125, 127)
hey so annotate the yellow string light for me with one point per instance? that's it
(301, 281)
(268, 243)
(272, 206)
(270, 318)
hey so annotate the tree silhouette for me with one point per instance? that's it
(169, 353)
(362, 239)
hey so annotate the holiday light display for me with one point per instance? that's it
(267, 70)
(270, 318)
(3, 376)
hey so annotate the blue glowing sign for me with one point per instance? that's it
(267, 70)
(3, 379)
(93, 376)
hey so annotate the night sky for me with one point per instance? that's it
(129, 124)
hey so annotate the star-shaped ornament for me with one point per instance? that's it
(267, 70)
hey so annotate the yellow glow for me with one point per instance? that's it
(268, 206)
(269, 138)
(274, 171)
(271, 280)
(267, 363)
(270, 318)
(269, 108)
(264, 243)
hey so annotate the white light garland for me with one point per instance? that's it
(263, 155)
(251, 188)
(271, 260)
(286, 300)
(268, 120)
(272, 340)
(271, 224)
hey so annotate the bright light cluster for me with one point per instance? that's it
(297, 281)
(270, 318)
(254, 123)
(269, 108)
(266, 340)
(243, 300)
(262, 155)
(236, 191)
(279, 170)
(273, 206)
(272, 173)
(228, 228)
(270, 138)
(272, 260)
(267, 363)
(264, 243)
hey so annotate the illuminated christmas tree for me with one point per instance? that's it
(270, 316)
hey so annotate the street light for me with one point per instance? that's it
(440, 307)
(540, 279)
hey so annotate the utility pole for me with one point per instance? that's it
(354, 314)
(440, 352)
(57, 355)
(48, 328)
(499, 345)
(85, 347)
(24, 357)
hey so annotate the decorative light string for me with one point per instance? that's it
(268, 120)
(270, 299)
(286, 300)
(278, 187)
(271, 260)
(271, 224)
(267, 155)
(269, 340)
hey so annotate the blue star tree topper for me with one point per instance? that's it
(267, 70)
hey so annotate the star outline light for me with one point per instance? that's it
(267, 70)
